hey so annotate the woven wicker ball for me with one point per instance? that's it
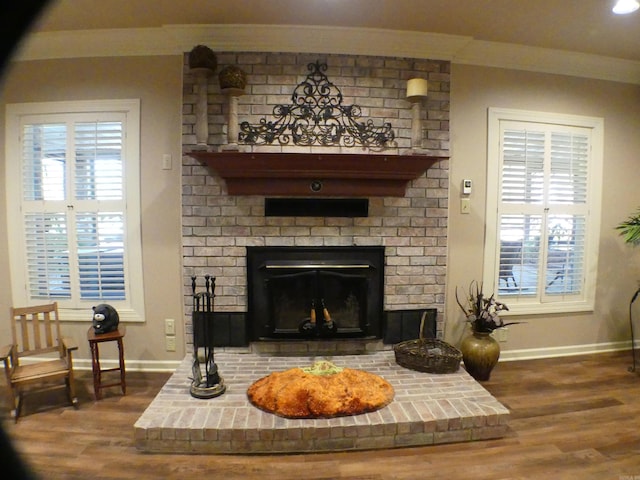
(232, 77)
(202, 56)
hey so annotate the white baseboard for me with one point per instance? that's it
(505, 356)
(564, 351)
(130, 365)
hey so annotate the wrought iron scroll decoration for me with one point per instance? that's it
(316, 116)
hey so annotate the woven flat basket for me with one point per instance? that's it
(428, 355)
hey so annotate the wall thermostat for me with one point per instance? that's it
(466, 186)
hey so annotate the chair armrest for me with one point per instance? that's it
(5, 351)
(69, 344)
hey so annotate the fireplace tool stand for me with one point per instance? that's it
(206, 381)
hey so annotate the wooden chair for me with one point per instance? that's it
(36, 334)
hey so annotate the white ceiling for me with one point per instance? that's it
(586, 26)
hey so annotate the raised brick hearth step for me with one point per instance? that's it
(427, 409)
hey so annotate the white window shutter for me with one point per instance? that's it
(100, 254)
(76, 208)
(47, 255)
(544, 249)
(99, 172)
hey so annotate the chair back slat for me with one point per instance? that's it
(33, 328)
(36, 326)
(47, 329)
(24, 329)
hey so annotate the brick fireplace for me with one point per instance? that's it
(412, 228)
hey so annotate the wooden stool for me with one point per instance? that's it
(94, 340)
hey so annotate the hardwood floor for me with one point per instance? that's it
(572, 418)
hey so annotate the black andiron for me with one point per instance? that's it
(206, 381)
(311, 327)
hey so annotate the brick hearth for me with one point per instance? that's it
(427, 409)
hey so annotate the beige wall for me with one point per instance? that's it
(474, 90)
(157, 82)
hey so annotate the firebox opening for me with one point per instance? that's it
(315, 292)
(318, 301)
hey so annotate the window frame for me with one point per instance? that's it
(132, 308)
(595, 125)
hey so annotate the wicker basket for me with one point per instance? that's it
(428, 355)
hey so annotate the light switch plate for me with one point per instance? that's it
(169, 326)
(166, 161)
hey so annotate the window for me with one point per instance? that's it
(543, 210)
(73, 205)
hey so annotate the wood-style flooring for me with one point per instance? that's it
(572, 418)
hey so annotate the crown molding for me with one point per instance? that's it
(319, 39)
(117, 42)
(177, 39)
(545, 60)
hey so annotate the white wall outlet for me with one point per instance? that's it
(169, 326)
(170, 343)
(502, 334)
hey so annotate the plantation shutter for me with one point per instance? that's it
(73, 209)
(542, 211)
(99, 217)
(44, 152)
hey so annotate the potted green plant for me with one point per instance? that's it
(630, 229)
(480, 351)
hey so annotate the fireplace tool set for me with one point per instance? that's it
(310, 326)
(206, 381)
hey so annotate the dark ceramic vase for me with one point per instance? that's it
(480, 353)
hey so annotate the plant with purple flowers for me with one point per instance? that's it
(483, 313)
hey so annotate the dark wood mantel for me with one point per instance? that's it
(313, 174)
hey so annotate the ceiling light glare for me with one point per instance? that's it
(622, 7)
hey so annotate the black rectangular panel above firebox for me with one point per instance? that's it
(315, 292)
(316, 207)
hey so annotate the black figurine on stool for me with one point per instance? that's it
(105, 319)
(206, 382)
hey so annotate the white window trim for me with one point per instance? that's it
(134, 312)
(596, 124)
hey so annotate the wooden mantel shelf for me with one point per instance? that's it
(313, 174)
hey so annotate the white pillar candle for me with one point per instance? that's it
(417, 88)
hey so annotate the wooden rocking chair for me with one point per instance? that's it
(36, 334)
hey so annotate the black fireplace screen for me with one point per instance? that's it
(321, 297)
(315, 292)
